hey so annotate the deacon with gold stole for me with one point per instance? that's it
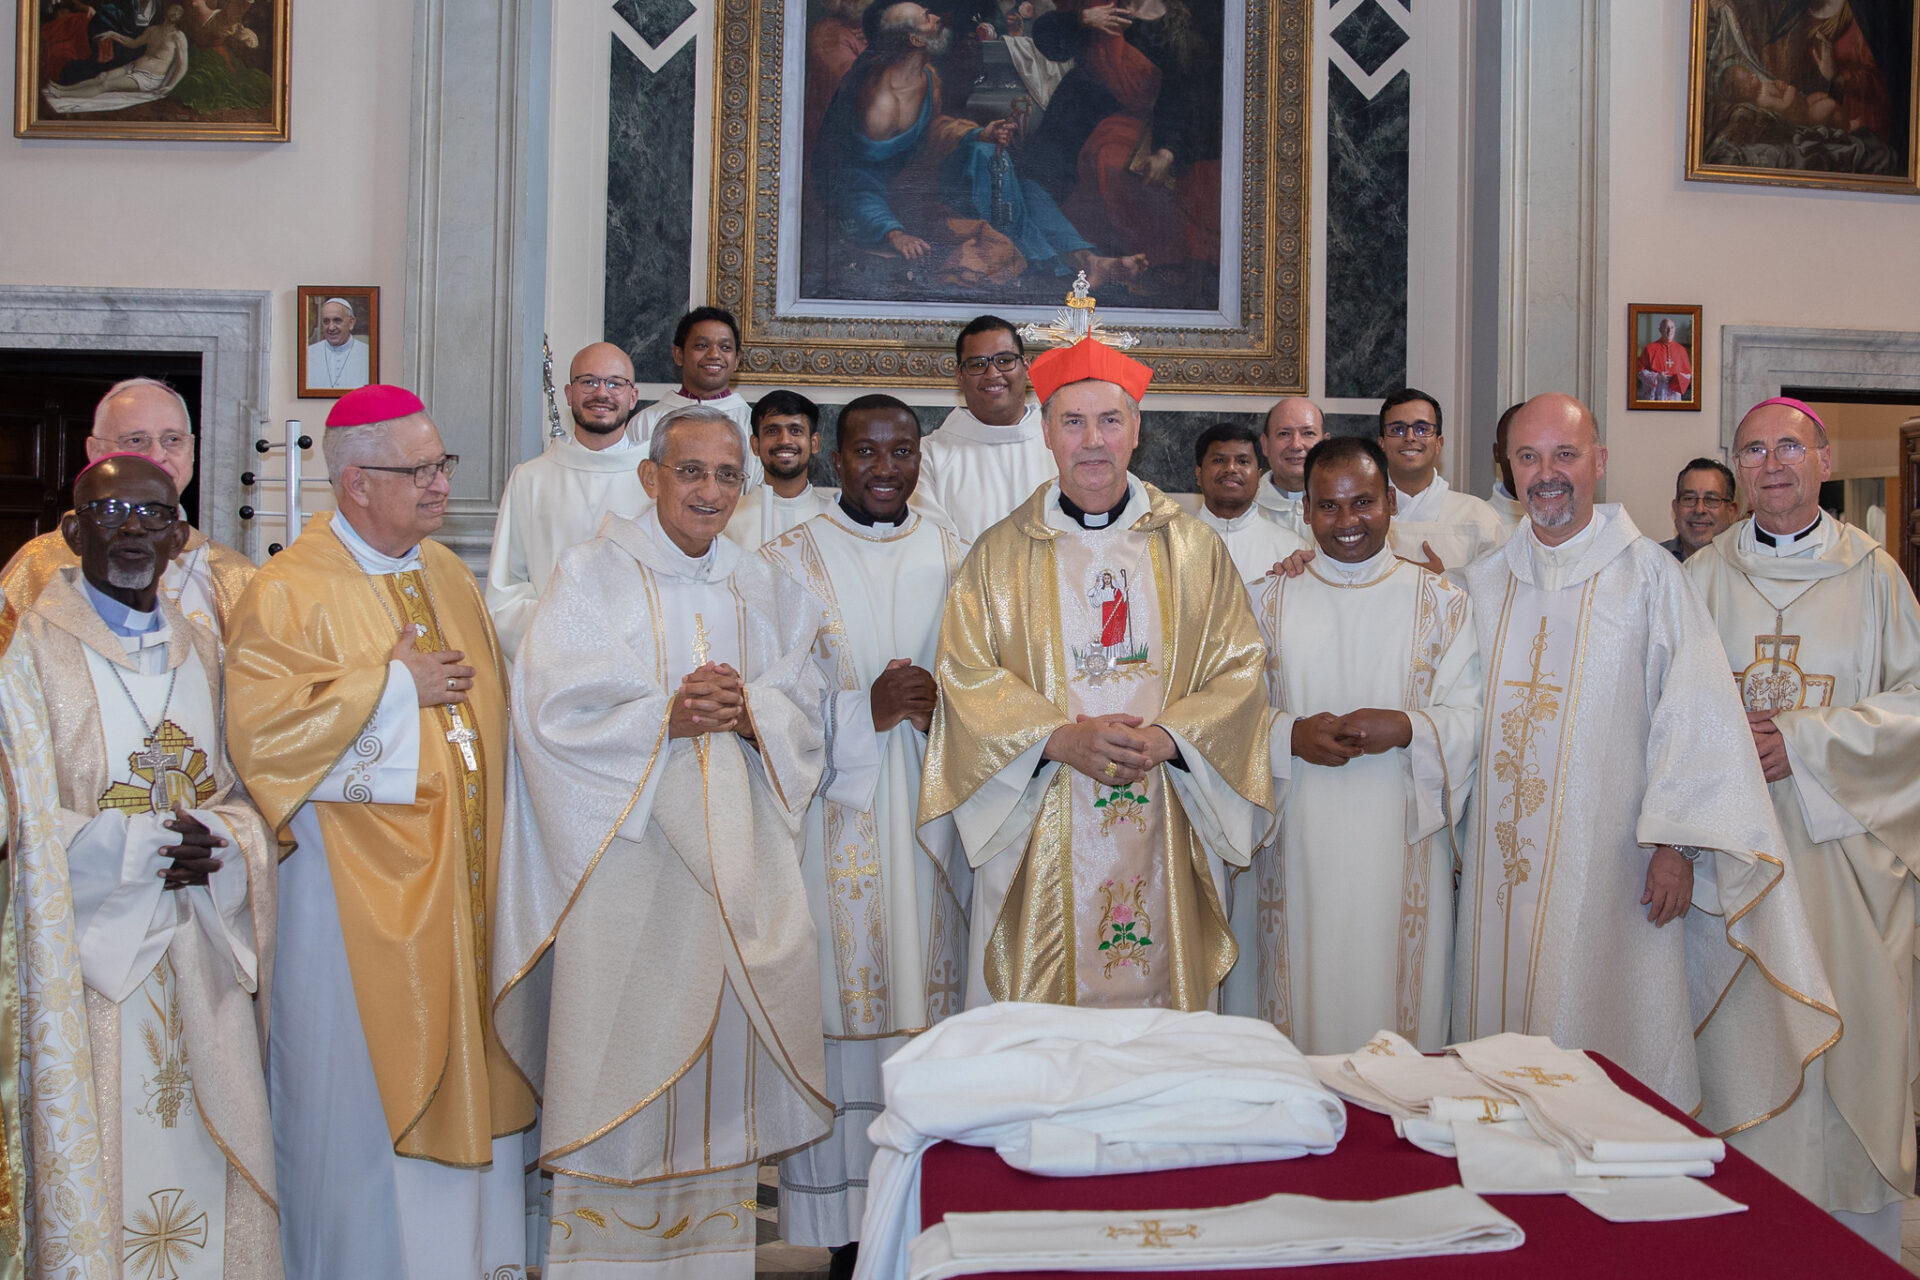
(1101, 681)
(367, 715)
(1823, 635)
(1610, 804)
(656, 976)
(139, 870)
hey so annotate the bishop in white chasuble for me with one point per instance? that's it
(145, 1094)
(1822, 634)
(1608, 756)
(367, 716)
(889, 906)
(1114, 639)
(656, 978)
(1345, 923)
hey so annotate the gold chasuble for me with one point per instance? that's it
(307, 665)
(205, 580)
(1096, 894)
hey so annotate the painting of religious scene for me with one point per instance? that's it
(1804, 93)
(176, 69)
(988, 151)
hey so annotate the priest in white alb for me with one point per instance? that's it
(559, 498)
(1621, 871)
(705, 352)
(1226, 467)
(367, 716)
(1294, 425)
(1433, 522)
(1345, 924)
(1823, 636)
(784, 430)
(1100, 692)
(989, 455)
(656, 977)
(889, 908)
(142, 887)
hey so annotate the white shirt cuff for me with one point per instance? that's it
(854, 750)
(383, 764)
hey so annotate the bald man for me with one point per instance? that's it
(1611, 801)
(559, 498)
(1293, 427)
(204, 579)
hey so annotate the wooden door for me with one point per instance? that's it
(43, 429)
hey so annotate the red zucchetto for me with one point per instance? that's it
(375, 402)
(1087, 358)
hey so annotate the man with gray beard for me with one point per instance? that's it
(1570, 874)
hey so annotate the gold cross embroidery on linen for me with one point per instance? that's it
(1155, 1234)
(1539, 1076)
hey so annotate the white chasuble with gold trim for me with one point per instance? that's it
(1346, 922)
(172, 1033)
(656, 978)
(1611, 728)
(1827, 634)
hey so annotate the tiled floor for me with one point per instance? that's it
(1910, 1235)
(774, 1258)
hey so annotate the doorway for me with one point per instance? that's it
(1873, 483)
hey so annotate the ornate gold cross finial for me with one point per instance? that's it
(1539, 1075)
(1155, 1234)
(1075, 321)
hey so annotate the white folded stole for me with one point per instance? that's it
(1572, 1102)
(1279, 1231)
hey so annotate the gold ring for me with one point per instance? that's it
(1112, 768)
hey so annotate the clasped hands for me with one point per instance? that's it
(1110, 749)
(1771, 746)
(711, 699)
(1329, 740)
(193, 859)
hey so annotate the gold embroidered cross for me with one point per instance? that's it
(1532, 687)
(865, 994)
(1540, 1076)
(1489, 1106)
(853, 871)
(1379, 1047)
(158, 1239)
(702, 644)
(1154, 1234)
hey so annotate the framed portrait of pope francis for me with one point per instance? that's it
(339, 338)
(1663, 341)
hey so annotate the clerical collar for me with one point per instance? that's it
(866, 521)
(1782, 543)
(371, 561)
(1347, 575)
(699, 568)
(1094, 519)
(1291, 495)
(123, 619)
(685, 394)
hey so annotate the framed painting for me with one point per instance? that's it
(1820, 93)
(339, 339)
(152, 69)
(882, 176)
(1662, 372)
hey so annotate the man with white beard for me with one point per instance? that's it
(1608, 804)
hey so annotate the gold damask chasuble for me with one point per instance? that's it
(223, 570)
(1015, 651)
(306, 667)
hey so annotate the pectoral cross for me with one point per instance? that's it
(464, 738)
(1154, 1234)
(157, 760)
(1539, 1075)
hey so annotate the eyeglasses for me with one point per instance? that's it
(1421, 430)
(142, 442)
(1786, 453)
(111, 513)
(588, 383)
(1004, 361)
(1711, 501)
(690, 473)
(424, 473)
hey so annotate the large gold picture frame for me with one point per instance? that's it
(1788, 98)
(1254, 341)
(177, 70)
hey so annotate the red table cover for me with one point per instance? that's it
(1781, 1233)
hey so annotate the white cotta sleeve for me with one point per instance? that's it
(122, 911)
(383, 764)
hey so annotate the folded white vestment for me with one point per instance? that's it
(1279, 1231)
(1068, 1091)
